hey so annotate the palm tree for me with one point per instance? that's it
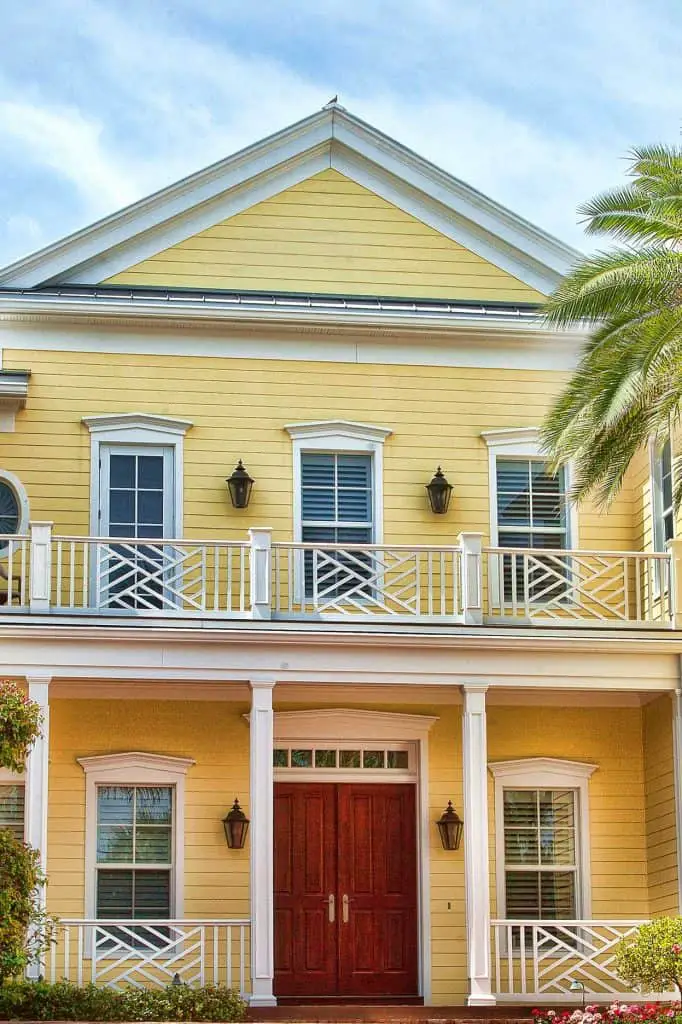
(627, 387)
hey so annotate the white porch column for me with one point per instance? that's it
(36, 785)
(261, 808)
(476, 871)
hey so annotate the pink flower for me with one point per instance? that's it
(676, 948)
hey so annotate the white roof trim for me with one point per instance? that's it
(136, 759)
(531, 766)
(329, 138)
(338, 428)
(136, 421)
(511, 436)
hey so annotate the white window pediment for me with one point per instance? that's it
(350, 724)
(332, 431)
(129, 427)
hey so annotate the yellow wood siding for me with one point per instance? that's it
(328, 235)
(215, 735)
(239, 408)
(660, 807)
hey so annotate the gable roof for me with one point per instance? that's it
(330, 138)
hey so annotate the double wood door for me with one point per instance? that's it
(346, 922)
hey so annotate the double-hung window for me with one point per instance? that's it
(337, 506)
(134, 852)
(540, 853)
(664, 513)
(531, 513)
(12, 808)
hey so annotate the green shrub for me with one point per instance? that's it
(19, 726)
(23, 926)
(651, 957)
(26, 1000)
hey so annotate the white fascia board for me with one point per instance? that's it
(66, 260)
(453, 193)
(64, 256)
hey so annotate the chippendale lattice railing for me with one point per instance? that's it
(462, 583)
(538, 960)
(152, 953)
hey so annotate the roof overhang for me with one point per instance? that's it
(330, 138)
(13, 396)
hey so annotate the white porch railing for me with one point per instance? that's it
(565, 587)
(446, 584)
(150, 953)
(538, 960)
(367, 581)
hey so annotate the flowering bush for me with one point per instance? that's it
(652, 957)
(19, 726)
(613, 1013)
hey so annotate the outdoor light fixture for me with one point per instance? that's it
(450, 826)
(236, 825)
(577, 986)
(439, 492)
(239, 485)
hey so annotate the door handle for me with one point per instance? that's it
(345, 903)
(331, 906)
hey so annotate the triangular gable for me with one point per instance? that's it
(328, 235)
(332, 138)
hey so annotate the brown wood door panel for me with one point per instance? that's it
(306, 954)
(358, 840)
(378, 952)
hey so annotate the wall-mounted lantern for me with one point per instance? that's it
(439, 492)
(239, 485)
(451, 827)
(236, 825)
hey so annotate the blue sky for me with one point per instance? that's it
(534, 102)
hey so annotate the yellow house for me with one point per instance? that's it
(341, 638)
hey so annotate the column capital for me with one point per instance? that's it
(35, 679)
(264, 682)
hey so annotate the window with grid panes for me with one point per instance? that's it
(337, 505)
(12, 808)
(540, 854)
(531, 513)
(134, 851)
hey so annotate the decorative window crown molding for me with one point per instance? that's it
(136, 761)
(530, 767)
(512, 436)
(351, 723)
(110, 423)
(338, 429)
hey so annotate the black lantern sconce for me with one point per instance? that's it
(451, 827)
(439, 492)
(236, 825)
(239, 485)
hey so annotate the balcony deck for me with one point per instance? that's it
(465, 583)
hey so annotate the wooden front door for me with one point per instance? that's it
(345, 890)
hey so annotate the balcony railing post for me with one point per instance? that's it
(41, 566)
(472, 578)
(261, 571)
(675, 551)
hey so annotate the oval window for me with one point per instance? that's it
(10, 511)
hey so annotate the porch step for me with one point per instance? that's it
(394, 1014)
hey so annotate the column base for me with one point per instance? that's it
(255, 1000)
(480, 1000)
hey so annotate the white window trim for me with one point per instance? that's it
(136, 428)
(341, 437)
(521, 442)
(22, 499)
(546, 773)
(656, 488)
(135, 768)
(16, 779)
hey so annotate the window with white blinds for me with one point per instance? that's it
(336, 498)
(664, 512)
(12, 808)
(540, 854)
(134, 851)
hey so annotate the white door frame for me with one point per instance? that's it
(343, 725)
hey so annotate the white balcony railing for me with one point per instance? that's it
(150, 953)
(537, 960)
(454, 584)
